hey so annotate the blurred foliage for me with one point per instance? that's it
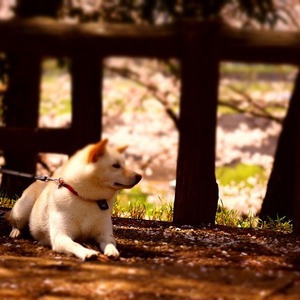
(150, 11)
(170, 11)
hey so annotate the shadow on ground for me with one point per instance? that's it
(158, 261)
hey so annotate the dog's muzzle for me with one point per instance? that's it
(137, 179)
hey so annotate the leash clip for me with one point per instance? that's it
(42, 178)
(60, 182)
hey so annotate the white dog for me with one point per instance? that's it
(78, 207)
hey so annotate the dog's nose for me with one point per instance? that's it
(138, 177)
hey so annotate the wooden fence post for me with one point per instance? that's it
(21, 105)
(86, 99)
(196, 188)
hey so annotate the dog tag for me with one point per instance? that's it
(103, 204)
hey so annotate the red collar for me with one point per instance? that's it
(102, 203)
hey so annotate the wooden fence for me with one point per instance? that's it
(200, 47)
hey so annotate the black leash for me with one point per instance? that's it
(26, 175)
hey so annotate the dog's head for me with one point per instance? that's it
(108, 165)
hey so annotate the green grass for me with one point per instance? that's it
(281, 224)
(231, 217)
(134, 204)
(239, 173)
(7, 203)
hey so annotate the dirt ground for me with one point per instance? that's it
(158, 261)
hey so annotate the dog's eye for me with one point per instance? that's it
(116, 166)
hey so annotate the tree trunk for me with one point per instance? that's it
(280, 200)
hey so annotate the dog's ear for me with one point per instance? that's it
(97, 150)
(122, 148)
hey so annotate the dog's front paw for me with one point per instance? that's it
(110, 250)
(15, 233)
(88, 254)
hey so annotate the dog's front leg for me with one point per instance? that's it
(64, 244)
(108, 246)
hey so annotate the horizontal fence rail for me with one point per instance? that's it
(49, 37)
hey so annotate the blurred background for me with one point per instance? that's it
(141, 97)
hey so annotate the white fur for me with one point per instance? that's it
(61, 219)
